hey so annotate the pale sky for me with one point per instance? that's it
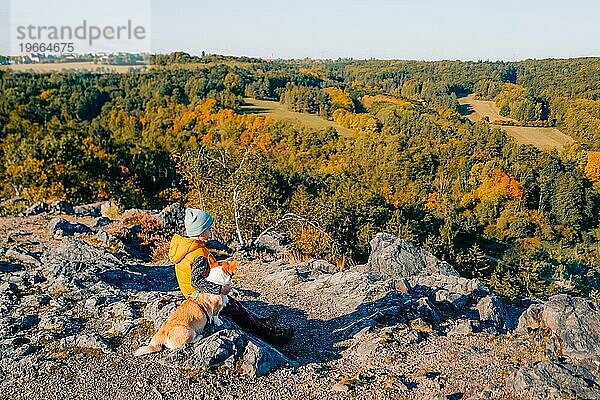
(424, 30)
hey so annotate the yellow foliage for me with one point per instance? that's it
(46, 94)
(368, 101)
(359, 122)
(339, 98)
(308, 71)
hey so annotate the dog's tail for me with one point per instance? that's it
(152, 347)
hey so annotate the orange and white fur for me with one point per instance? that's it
(186, 323)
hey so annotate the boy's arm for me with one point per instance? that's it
(199, 268)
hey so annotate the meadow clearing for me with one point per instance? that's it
(278, 111)
(540, 137)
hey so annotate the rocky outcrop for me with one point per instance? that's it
(59, 227)
(569, 326)
(172, 217)
(569, 329)
(272, 242)
(84, 297)
(397, 258)
(232, 348)
(55, 207)
(92, 297)
(552, 380)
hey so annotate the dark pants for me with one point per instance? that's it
(246, 319)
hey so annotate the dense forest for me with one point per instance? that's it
(525, 220)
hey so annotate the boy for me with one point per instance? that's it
(193, 262)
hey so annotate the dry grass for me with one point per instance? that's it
(540, 137)
(152, 234)
(295, 256)
(478, 109)
(278, 111)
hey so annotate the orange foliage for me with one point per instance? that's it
(431, 199)
(498, 186)
(207, 114)
(592, 169)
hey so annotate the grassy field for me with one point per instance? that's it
(541, 138)
(75, 66)
(475, 109)
(278, 111)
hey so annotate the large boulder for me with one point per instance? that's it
(396, 258)
(492, 311)
(553, 380)
(77, 262)
(230, 348)
(569, 325)
(172, 217)
(60, 227)
(37, 208)
(272, 242)
(88, 210)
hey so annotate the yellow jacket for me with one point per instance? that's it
(182, 252)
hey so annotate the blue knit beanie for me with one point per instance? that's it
(197, 221)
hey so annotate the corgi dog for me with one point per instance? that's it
(186, 323)
(221, 275)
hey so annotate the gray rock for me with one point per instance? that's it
(273, 242)
(88, 210)
(85, 341)
(172, 217)
(573, 324)
(101, 222)
(36, 209)
(77, 262)
(59, 227)
(471, 288)
(109, 240)
(230, 348)
(428, 311)
(61, 207)
(457, 300)
(492, 311)
(160, 307)
(18, 254)
(397, 258)
(553, 380)
(461, 327)
(121, 317)
(60, 324)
